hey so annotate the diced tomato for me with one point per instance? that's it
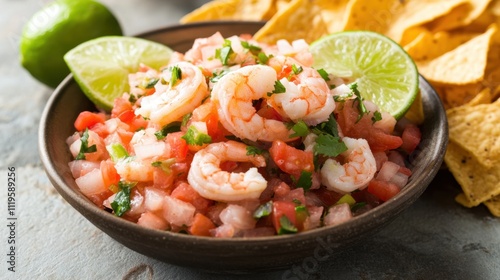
(411, 138)
(283, 208)
(201, 225)
(88, 119)
(101, 129)
(291, 160)
(347, 118)
(120, 105)
(178, 146)
(186, 193)
(109, 174)
(383, 190)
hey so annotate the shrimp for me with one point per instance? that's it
(356, 173)
(208, 179)
(307, 96)
(172, 101)
(233, 95)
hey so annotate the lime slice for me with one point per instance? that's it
(101, 66)
(384, 72)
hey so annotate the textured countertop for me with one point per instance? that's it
(434, 239)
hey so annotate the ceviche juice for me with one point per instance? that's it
(236, 138)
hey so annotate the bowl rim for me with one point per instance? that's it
(78, 201)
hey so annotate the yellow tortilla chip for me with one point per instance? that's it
(461, 15)
(458, 95)
(465, 64)
(393, 17)
(494, 205)
(428, 45)
(477, 130)
(252, 10)
(484, 97)
(334, 13)
(301, 19)
(462, 200)
(478, 182)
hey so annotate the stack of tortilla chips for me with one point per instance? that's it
(455, 44)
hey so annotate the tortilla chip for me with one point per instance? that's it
(484, 97)
(462, 200)
(428, 45)
(334, 13)
(494, 205)
(461, 15)
(449, 67)
(393, 17)
(252, 10)
(477, 130)
(478, 182)
(301, 19)
(454, 95)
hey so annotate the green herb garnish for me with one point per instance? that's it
(286, 226)
(169, 128)
(278, 88)
(263, 210)
(84, 147)
(195, 137)
(121, 203)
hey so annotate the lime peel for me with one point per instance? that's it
(384, 72)
(101, 66)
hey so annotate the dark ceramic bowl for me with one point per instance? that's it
(229, 255)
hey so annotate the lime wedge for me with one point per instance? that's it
(384, 72)
(101, 66)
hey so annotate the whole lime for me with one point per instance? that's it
(57, 28)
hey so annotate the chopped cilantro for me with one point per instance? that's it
(297, 70)
(84, 147)
(194, 137)
(328, 127)
(361, 106)
(329, 145)
(262, 58)
(300, 129)
(185, 119)
(252, 151)
(286, 226)
(324, 74)
(305, 180)
(148, 83)
(116, 151)
(164, 164)
(225, 52)
(278, 88)
(263, 210)
(252, 48)
(217, 74)
(121, 203)
(377, 116)
(176, 75)
(169, 128)
(132, 98)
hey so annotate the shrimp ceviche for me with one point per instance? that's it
(235, 138)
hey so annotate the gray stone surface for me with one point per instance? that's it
(434, 239)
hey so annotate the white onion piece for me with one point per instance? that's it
(81, 167)
(150, 220)
(388, 170)
(178, 212)
(91, 183)
(153, 199)
(237, 216)
(338, 214)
